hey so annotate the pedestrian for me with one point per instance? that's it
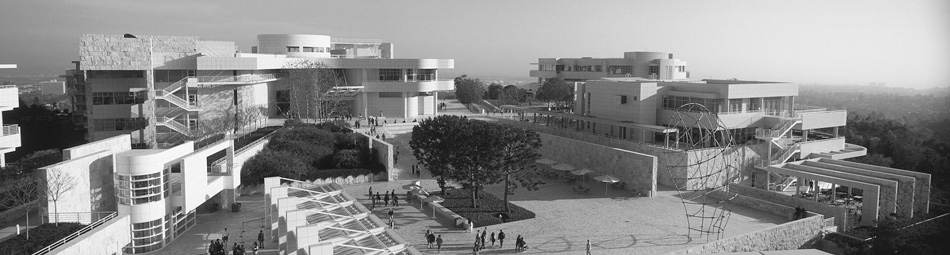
(426, 237)
(484, 233)
(395, 200)
(478, 234)
(390, 214)
(224, 236)
(430, 239)
(588, 246)
(378, 198)
(492, 239)
(438, 243)
(260, 237)
(371, 191)
(386, 199)
(501, 238)
(384, 137)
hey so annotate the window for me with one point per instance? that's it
(293, 48)
(623, 99)
(598, 68)
(620, 69)
(118, 124)
(410, 74)
(113, 98)
(116, 74)
(654, 70)
(307, 49)
(390, 74)
(426, 75)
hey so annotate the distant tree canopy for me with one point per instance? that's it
(469, 90)
(42, 128)
(555, 89)
(475, 153)
(494, 91)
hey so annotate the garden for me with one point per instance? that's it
(306, 151)
(490, 210)
(40, 237)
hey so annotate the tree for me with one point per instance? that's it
(475, 163)
(57, 183)
(518, 152)
(308, 84)
(555, 89)
(494, 91)
(469, 90)
(269, 163)
(23, 192)
(432, 144)
(513, 95)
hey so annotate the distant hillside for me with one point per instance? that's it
(906, 105)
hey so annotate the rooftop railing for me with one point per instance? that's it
(11, 129)
(244, 78)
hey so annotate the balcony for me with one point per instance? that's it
(9, 97)
(409, 86)
(11, 136)
(235, 80)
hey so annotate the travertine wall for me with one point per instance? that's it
(788, 236)
(108, 238)
(113, 52)
(638, 170)
(829, 211)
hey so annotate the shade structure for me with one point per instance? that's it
(582, 172)
(545, 161)
(606, 179)
(564, 167)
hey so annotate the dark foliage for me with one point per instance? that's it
(42, 128)
(469, 90)
(347, 158)
(40, 237)
(486, 214)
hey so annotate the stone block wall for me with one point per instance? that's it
(788, 236)
(638, 170)
(113, 52)
(108, 238)
(838, 213)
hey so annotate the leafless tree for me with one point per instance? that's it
(24, 192)
(57, 184)
(309, 82)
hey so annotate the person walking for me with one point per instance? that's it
(501, 238)
(492, 239)
(395, 199)
(378, 199)
(588, 246)
(426, 237)
(224, 237)
(478, 234)
(438, 243)
(484, 234)
(260, 238)
(430, 239)
(390, 214)
(386, 199)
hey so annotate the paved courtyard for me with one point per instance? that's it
(616, 224)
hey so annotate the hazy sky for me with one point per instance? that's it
(902, 43)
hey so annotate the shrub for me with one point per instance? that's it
(459, 201)
(334, 173)
(40, 237)
(347, 158)
(269, 163)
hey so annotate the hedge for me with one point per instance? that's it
(489, 207)
(40, 237)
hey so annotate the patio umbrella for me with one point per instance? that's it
(563, 167)
(606, 179)
(582, 172)
(545, 161)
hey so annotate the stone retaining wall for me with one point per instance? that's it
(637, 170)
(788, 236)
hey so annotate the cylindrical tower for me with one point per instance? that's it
(294, 45)
(642, 61)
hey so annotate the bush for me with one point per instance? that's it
(489, 206)
(334, 173)
(347, 158)
(40, 237)
(269, 163)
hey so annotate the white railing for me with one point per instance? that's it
(784, 154)
(175, 86)
(172, 124)
(76, 234)
(11, 129)
(779, 129)
(177, 101)
(220, 170)
(244, 78)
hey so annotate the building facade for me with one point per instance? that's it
(9, 99)
(164, 90)
(53, 87)
(647, 65)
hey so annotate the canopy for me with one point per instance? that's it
(545, 161)
(564, 167)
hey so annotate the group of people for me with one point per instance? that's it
(417, 170)
(431, 238)
(219, 246)
(383, 199)
(482, 239)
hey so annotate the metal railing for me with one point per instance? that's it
(220, 170)
(244, 78)
(76, 234)
(779, 129)
(11, 129)
(784, 154)
(175, 86)
(174, 125)
(177, 101)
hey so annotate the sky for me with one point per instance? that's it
(900, 43)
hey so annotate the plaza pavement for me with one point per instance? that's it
(618, 223)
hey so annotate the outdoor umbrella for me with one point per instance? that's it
(583, 172)
(606, 179)
(545, 161)
(563, 167)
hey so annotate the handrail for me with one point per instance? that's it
(174, 125)
(237, 78)
(76, 234)
(176, 86)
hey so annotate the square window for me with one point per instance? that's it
(623, 99)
